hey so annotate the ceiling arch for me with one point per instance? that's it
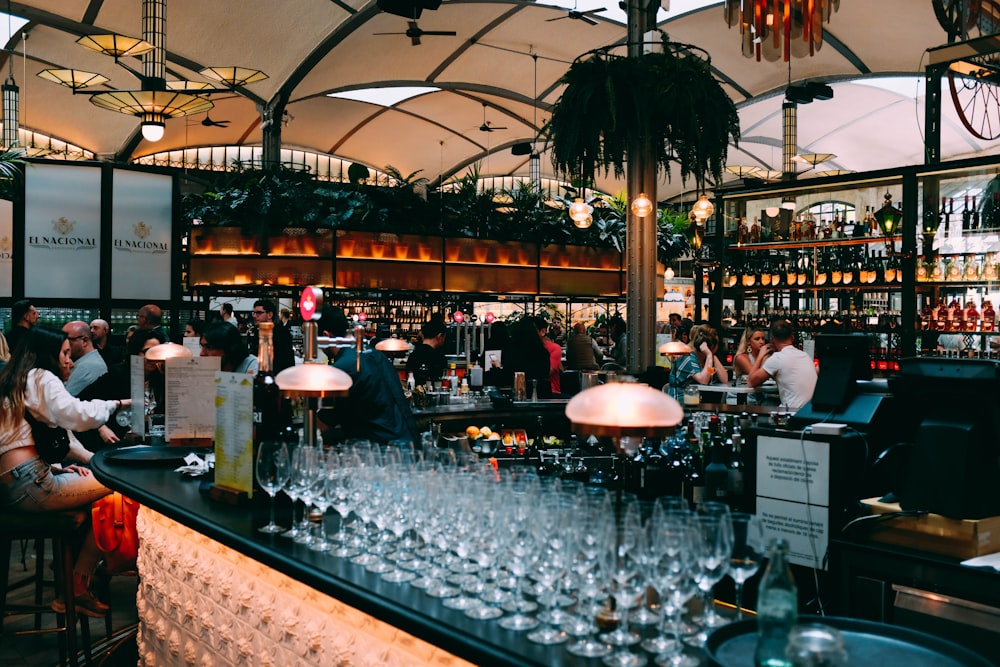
(508, 54)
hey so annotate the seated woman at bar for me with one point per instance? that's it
(747, 350)
(32, 382)
(701, 366)
(224, 340)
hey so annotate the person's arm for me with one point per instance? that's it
(710, 368)
(758, 375)
(48, 400)
(742, 365)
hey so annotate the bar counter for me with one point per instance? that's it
(214, 591)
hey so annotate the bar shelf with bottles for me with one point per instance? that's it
(943, 244)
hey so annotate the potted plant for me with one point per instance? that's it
(669, 99)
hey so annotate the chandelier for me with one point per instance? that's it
(780, 28)
(157, 99)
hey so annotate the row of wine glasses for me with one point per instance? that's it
(564, 562)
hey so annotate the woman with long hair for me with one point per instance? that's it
(224, 340)
(701, 365)
(33, 382)
(748, 350)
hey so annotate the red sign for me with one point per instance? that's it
(459, 316)
(490, 317)
(310, 303)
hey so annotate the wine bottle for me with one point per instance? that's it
(716, 473)
(267, 408)
(777, 608)
(966, 216)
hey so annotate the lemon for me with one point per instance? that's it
(486, 431)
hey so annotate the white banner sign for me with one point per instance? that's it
(62, 223)
(6, 248)
(141, 236)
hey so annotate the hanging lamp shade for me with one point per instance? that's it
(165, 351)
(116, 46)
(74, 79)
(233, 75)
(619, 409)
(642, 205)
(703, 208)
(674, 348)
(313, 381)
(392, 345)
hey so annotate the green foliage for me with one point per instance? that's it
(12, 166)
(670, 99)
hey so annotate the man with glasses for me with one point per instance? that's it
(265, 310)
(88, 364)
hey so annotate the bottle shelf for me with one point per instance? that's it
(810, 243)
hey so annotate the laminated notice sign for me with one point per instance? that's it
(793, 494)
(233, 431)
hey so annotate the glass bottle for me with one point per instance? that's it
(266, 395)
(777, 608)
(716, 473)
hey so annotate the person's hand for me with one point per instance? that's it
(79, 470)
(705, 348)
(768, 349)
(107, 435)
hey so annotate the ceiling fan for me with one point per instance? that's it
(487, 126)
(208, 122)
(414, 32)
(586, 17)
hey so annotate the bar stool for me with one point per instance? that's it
(59, 528)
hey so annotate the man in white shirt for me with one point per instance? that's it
(88, 364)
(791, 368)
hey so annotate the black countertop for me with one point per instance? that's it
(410, 609)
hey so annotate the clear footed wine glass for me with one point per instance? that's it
(272, 470)
(749, 548)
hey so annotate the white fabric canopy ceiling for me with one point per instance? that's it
(873, 57)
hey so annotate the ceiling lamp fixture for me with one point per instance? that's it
(703, 209)
(157, 99)
(580, 212)
(11, 102)
(642, 206)
(813, 159)
(780, 28)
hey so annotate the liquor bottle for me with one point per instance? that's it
(966, 216)
(975, 214)
(777, 608)
(971, 316)
(267, 404)
(989, 316)
(735, 470)
(716, 473)
(971, 268)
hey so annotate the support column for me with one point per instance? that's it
(640, 233)
(271, 123)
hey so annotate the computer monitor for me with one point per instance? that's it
(843, 360)
(954, 425)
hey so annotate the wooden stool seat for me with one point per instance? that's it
(61, 529)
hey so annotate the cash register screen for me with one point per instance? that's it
(955, 429)
(843, 359)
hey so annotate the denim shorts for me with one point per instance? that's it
(32, 487)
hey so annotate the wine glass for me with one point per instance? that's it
(749, 548)
(713, 519)
(272, 471)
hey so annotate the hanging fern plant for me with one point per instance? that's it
(671, 98)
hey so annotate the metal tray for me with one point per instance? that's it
(868, 644)
(151, 454)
